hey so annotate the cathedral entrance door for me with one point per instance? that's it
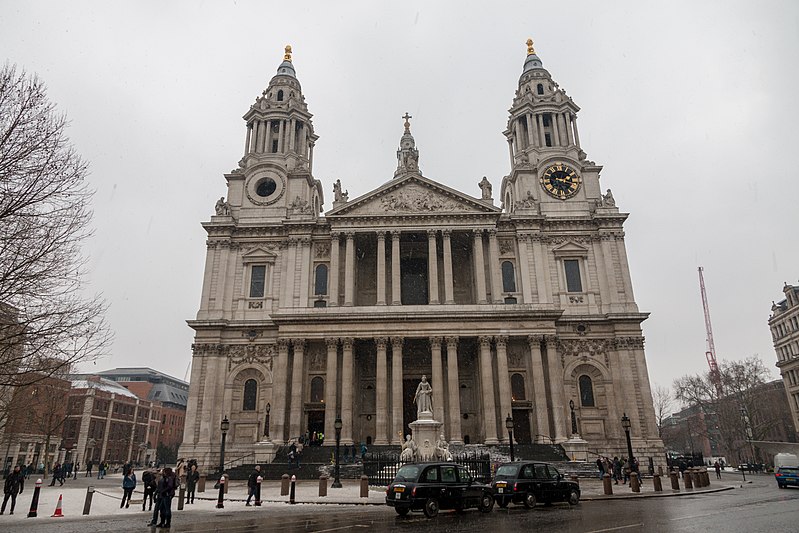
(316, 422)
(521, 426)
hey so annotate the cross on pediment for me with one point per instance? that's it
(406, 116)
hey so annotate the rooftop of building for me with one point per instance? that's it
(143, 374)
(90, 381)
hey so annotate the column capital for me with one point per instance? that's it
(331, 342)
(435, 342)
(298, 343)
(335, 235)
(395, 234)
(381, 342)
(551, 340)
(484, 340)
(292, 241)
(446, 233)
(501, 340)
(350, 235)
(522, 237)
(492, 233)
(381, 235)
(347, 342)
(283, 344)
(478, 233)
(452, 342)
(432, 233)
(535, 340)
(396, 342)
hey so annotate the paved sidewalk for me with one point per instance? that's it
(108, 494)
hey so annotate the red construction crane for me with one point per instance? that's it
(715, 377)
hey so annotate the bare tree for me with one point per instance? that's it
(47, 322)
(663, 401)
(733, 405)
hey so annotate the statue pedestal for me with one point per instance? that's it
(576, 448)
(425, 432)
(265, 451)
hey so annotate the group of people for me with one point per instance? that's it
(618, 468)
(315, 438)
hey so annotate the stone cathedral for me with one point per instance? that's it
(512, 306)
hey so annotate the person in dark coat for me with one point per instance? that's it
(149, 481)
(252, 484)
(15, 482)
(128, 484)
(191, 483)
(57, 476)
(165, 492)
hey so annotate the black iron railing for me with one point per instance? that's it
(381, 468)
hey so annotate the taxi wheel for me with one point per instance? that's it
(431, 508)
(402, 511)
(529, 500)
(486, 503)
(574, 497)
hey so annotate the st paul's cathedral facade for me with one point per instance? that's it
(516, 309)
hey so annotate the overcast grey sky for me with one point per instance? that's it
(690, 106)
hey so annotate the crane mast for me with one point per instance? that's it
(710, 354)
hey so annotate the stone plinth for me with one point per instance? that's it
(425, 432)
(265, 451)
(576, 448)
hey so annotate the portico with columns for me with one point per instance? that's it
(511, 307)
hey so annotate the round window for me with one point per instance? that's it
(265, 187)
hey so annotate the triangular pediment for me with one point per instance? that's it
(413, 195)
(259, 254)
(570, 248)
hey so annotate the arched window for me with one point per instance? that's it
(280, 96)
(586, 391)
(317, 389)
(508, 277)
(540, 89)
(320, 281)
(517, 387)
(250, 395)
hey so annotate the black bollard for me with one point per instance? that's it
(35, 500)
(181, 496)
(220, 504)
(87, 504)
(292, 490)
(258, 482)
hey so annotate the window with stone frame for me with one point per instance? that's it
(317, 389)
(257, 281)
(517, 387)
(508, 277)
(573, 280)
(320, 280)
(250, 395)
(586, 391)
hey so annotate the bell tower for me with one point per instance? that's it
(275, 176)
(549, 170)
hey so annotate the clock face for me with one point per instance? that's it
(560, 180)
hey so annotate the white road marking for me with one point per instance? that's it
(615, 528)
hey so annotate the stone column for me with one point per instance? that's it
(621, 248)
(505, 395)
(555, 129)
(381, 392)
(280, 133)
(278, 434)
(437, 378)
(331, 391)
(525, 276)
(612, 294)
(555, 370)
(576, 134)
(454, 390)
(347, 392)
(493, 267)
(541, 270)
(528, 118)
(449, 291)
(479, 266)
(567, 120)
(287, 279)
(541, 133)
(510, 150)
(334, 268)
(381, 268)
(432, 266)
(305, 271)
(297, 382)
(349, 270)
(396, 298)
(539, 392)
(487, 381)
(291, 135)
(249, 140)
(396, 391)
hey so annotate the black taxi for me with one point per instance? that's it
(429, 487)
(528, 483)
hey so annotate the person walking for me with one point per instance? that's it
(252, 483)
(89, 469)
(165, 492)
(75, 470)
(15, 482)
(191, 483)
(599, 466)
(616, 469)
(717, 467)
(148, 479)
(128, 484)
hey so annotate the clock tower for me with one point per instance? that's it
(550, 174)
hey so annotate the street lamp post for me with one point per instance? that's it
(625, 423)
(337, 425)
(266, 422)
(509, 427)
(224, 426)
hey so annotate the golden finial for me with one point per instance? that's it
(287, 57)
(530, 49)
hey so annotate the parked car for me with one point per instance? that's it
(429, 487)
(529, 483)
(787, 475)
